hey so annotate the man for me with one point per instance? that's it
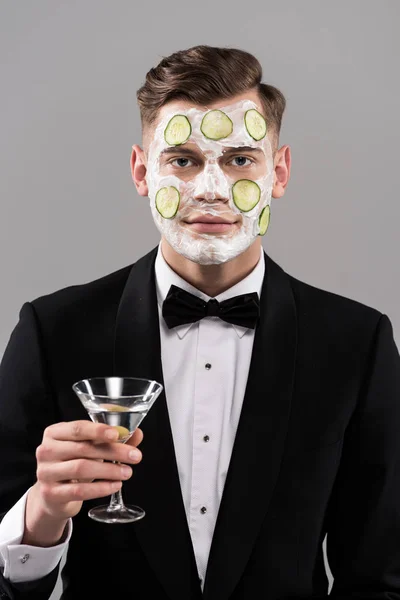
(280, 417)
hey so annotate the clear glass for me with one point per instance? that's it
(122, 402)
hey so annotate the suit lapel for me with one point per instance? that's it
(163, 533)
(260, 438)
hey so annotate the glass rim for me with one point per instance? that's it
(93, 379)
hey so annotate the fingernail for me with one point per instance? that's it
(126, 471)
(134, 455)
(111, 434)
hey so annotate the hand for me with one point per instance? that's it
(71, 469)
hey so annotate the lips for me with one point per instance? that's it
(210, 224)
(205, 219)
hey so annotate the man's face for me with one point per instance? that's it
(193, 197)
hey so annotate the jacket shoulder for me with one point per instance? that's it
(332, 309)
(90, 302)
(91, 295)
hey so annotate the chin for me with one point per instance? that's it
(208, 249)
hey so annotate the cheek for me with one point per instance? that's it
(251, 217)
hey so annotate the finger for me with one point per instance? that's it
(81, 430)
(81, 469)
(55, 451)
(136, 438)
(71, 492)
(85, 480)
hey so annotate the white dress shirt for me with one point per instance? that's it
(205, 367)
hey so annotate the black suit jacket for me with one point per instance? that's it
(317, 449)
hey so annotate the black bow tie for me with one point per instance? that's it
(180, 307)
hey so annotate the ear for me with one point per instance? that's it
(282, 162)
(139, 170)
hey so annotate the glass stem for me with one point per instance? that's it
(116, 501)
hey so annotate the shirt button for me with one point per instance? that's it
(207, 366)
(24, 558)
(206, 438)
(203, 510)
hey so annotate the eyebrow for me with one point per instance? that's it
(190, 152)
(241, 149)
(180, 149)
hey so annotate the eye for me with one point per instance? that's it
(240, 161)
(181, 162)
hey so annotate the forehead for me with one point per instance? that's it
(176, 105)
(235, 110)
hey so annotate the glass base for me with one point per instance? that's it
(126, 514)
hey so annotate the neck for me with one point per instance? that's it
(212, 279)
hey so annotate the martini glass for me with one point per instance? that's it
(123, 403)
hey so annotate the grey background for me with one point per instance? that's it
(69, 71)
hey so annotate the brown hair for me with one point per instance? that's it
(203, 74)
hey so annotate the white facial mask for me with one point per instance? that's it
(210, 192)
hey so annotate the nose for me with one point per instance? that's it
(211, 184)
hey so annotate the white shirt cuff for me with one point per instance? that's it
(20, 561)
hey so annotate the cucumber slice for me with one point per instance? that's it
(255, 123)
(167, 201)
(216, 125)
(246, 194)
(263, 220)
(178, 130)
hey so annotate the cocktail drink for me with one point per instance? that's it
(123, 403)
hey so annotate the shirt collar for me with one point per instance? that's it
(165, 277)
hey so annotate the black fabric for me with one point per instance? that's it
(316, 453)
(181, 307)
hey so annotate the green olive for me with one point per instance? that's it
(123, 432)
(114, 407)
